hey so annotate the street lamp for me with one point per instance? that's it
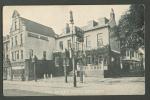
(72, 49)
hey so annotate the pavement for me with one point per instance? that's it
(10, 92)
(90, 86)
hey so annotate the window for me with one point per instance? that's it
(69, 44)
(21, 39)
(61, 45)
(44, 54)
(12, 54)
(33, 35)
(44, 38)
(99, 40)
(16, 40)
(88, 43)
(15, 56)
(21, 54)
(12, 42)
(18, 55)
(31, 53)
(56, 61)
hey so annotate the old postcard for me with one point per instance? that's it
(73, 50)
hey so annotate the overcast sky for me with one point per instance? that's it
(56, 17)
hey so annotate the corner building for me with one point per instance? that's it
(27, 39)
(101, 47)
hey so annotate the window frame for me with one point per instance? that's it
(99, 40)
(61, 45)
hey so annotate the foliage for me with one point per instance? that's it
(97, 52)
(131, 26)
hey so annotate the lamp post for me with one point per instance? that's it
(65, 68)
(72, 49)
(81, 66)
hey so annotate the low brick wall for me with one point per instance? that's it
(94, 73)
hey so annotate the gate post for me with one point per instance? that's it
(34, 60)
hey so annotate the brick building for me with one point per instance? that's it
(101, 46)
(28, 38)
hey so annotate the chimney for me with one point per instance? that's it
(112, 21)
(67, 28)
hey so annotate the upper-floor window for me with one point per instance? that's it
(21, 39)
(61, 45)
(12, 55)
(99, 40)
(12, 42)
(88, 42)
(21, 54)
(69, 43)
(17, 54)
(31, 53)
(16, 40)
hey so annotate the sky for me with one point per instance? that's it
(56, 16)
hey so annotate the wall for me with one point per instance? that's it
(92, 36)
(38, 46)
(20, 30)
(65, 43)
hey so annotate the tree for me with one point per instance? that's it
(131, 26)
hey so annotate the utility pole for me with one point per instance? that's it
(81, 67)
(65, 66)
(72, 49)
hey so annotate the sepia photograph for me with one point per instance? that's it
(73, 50)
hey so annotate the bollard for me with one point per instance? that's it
(44, 76)
(51, 76)
(83, 78)
(47, 76)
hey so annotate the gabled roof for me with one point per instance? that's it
(92, 25)
(32, 26)
(15, 13)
